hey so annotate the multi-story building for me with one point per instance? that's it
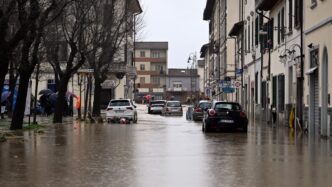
(318, 55)
(151, 61)
(182, 85)
(221, 54)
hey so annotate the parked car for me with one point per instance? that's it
(228, 115)
(199, 109)
(156, 106)
(172, 108)
(121, 108)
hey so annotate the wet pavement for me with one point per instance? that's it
(164, 151)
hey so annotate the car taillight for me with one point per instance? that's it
(108, 109)
(129, 108)
(167, 109)
(198, 109)
(212, 112)
(242, 115)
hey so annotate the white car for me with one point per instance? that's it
(121, 108)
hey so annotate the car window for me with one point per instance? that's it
(157, 102)
(227, 106)
(204, 105)
(174, 104)
(120, 103)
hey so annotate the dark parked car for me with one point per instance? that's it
(227, 115)
(200, 108)
(156, 106)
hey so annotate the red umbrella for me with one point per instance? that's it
(147, 97)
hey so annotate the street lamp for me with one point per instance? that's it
(192, 57)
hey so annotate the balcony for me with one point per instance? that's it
(266, 5)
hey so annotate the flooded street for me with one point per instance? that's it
(163, 151)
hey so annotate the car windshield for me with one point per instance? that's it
(204, 105)
(120, 103)
(227, 106)
(157, 103)
(174, 104)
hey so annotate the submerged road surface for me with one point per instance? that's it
(164, 151)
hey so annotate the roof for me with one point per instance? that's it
(266, 5)
(208, 10)
(237, 27)
(151, 45)
(182, 72)
(204, 49)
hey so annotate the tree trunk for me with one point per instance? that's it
(97, 95)
(60, 104)
(17, 120)
(4, 62)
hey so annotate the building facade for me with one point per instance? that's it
(151, 61)
(183, 85)
(318, 80)
(282, 51)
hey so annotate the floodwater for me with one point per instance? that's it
(164, 151)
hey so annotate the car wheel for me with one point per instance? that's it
(245, 129)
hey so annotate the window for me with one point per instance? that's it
(142, 67)
(282, 30)
(290, 15)
(119, 103)
(256, 31)
(155, 54)
(249, 37)
(270, 33)
(142, 80)
(177, 84)
(156, 80)
(227, 106)
(297, 15)
(142, 53)
(245, 40)
(279, 28)
(252, 33)
(256, 87)
(281, 92)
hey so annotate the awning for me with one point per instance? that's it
(311, 70)
(237, 27)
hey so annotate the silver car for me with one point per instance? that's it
(172, 108)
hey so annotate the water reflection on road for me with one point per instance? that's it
(163, 151)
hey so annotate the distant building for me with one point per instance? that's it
(182, 84)
(151, 61)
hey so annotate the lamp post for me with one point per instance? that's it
(192, 57)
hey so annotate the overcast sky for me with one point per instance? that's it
(180, 22)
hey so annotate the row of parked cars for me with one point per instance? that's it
(165, 107)
(214, 115)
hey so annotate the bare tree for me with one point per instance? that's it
(41, 12)
(112, 23)
(68, 31)
(16, 17)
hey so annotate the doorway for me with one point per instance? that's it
(324, 129)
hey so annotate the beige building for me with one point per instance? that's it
(151, 61)
(221, 15)
(318, 55)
